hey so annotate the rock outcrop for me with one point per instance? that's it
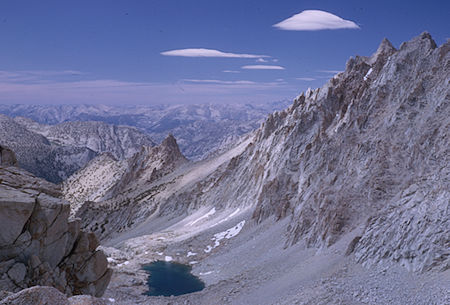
(56, 152)
(38, 155)
(120, 141)
(44, 295)
(135, 176)
(40, 245)
(7, 157)
(369, 151)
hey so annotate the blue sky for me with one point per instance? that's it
(134, 52)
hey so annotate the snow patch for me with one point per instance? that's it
(168, 258)
(193, 262)
(229, 216)
(368, 73)
(211, 212)
(191, 254)
(232, 232)
(123, 264)
(205, 273)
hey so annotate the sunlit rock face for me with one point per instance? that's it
(39, 244)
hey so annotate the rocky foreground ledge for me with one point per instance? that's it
(39, 244)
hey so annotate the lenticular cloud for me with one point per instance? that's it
(208, 53)
(314, 20)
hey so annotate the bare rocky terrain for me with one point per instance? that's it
(39, 244)
(55, 152)
(342, 198)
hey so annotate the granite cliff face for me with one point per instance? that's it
(121, 141)
(39, 244)
(106, 177)
(56, 152)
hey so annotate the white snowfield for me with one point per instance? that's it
(232, 232)
(210, 213)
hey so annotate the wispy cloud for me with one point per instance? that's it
(35, 75)
(262, 67)
(231, 71)
(262, 60)
(208, 53)
(116, 91)
(330, 71)
(222, 82)
(314, 20)
(306, 79)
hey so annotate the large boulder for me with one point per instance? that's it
(39, 245)
(44, 295)
(7, 157)
(15, 209)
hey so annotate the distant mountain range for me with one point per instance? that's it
(199, 129)
(55, 152)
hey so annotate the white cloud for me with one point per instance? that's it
(35, 75)
(221, 82)
(262, 60)
(307, 79)
(231, 71)
(208, 53)
(262, 67)
(330, 71)
(313, 20)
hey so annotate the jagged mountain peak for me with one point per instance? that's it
(170, 145)
(385, 49)
(424, 41)
(105, 177)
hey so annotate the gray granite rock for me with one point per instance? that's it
(37, 240)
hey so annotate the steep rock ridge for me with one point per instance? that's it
(143, 201)
(368, 145)
(94, 181)
(39, 245)
(121, 141)
(38, 155)
(151, 163)
(105, 178)
(372, 143)
(56, 152)
(369, 151)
